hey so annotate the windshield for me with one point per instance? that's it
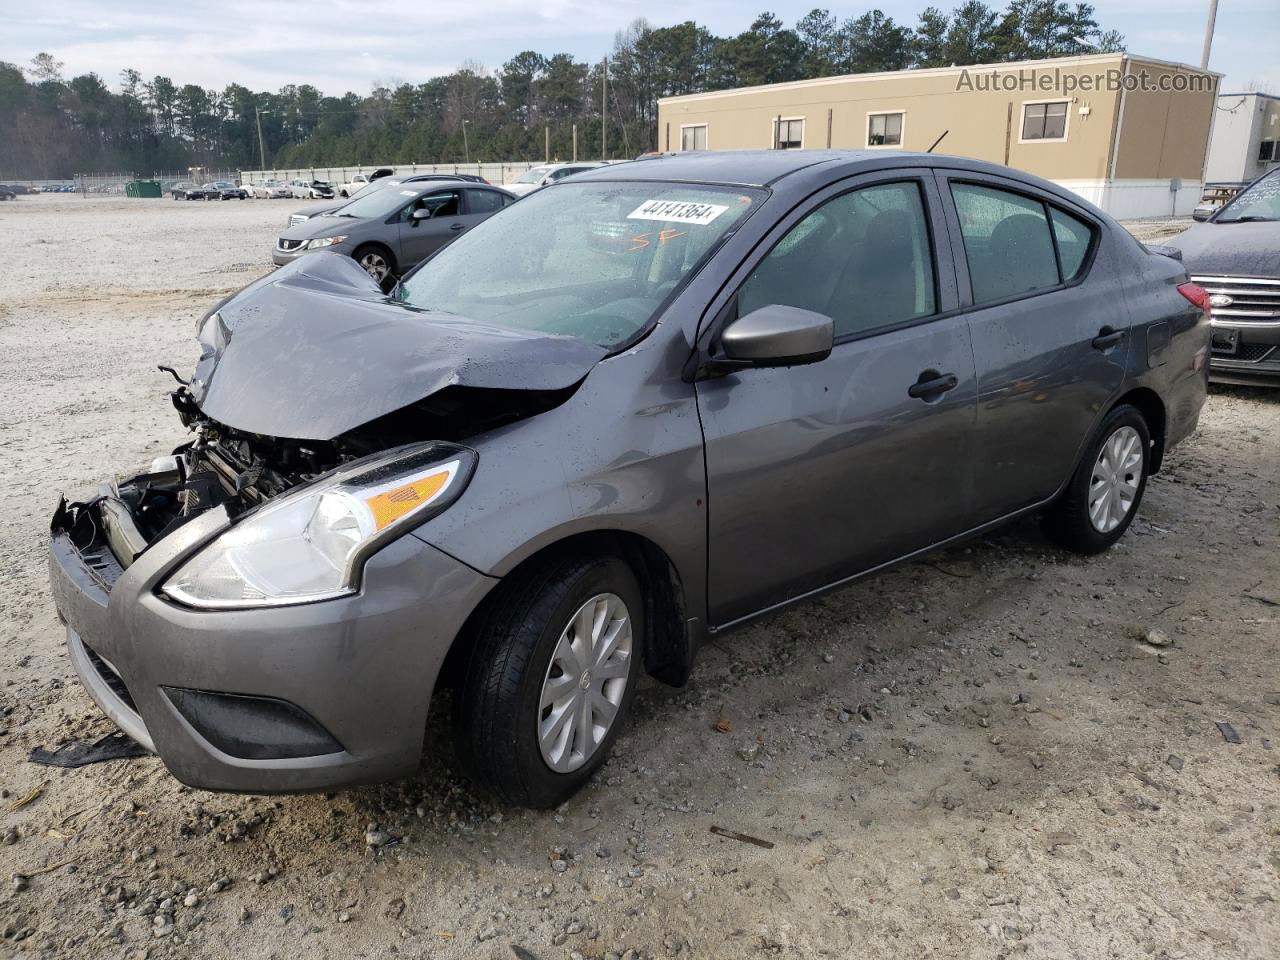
(588, 260)
(533, 175)
(377, 203)
(1258, 202)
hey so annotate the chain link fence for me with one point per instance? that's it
(498, 173)
(113, 183)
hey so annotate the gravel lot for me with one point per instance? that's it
(977, 755)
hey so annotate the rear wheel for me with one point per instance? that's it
(1103, 495)
(551, 676)
(376, 261)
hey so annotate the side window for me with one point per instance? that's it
(789, 134)
(1006, 241)
(693, 138)
(1044, 121)
(1073, 236)
(442, 204)
(884, 129)
(862, 259)
(483, 201)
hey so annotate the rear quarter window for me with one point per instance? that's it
(1073, 237)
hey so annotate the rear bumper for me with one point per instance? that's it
(355, 673)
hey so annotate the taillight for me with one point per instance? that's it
(1198, 296)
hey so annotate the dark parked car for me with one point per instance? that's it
(639, 408)
(191, 191)
(225, 190)
(1235, 255)
(390, 231)
(7, 192)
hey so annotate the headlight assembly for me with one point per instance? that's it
(319, 242)
(311, 544)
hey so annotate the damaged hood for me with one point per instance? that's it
(314, 350)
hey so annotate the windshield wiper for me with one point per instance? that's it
(1249, 219)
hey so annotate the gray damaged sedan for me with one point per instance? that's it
(642, 407)
(391, 231)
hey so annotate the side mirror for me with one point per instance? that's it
(776, 336)
(422, 214)
(1203, 213)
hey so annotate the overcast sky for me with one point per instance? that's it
(341, 45)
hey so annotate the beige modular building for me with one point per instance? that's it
(1127, 133)
(1246, 137)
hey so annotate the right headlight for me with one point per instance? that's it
(311, 544)
(319, 242)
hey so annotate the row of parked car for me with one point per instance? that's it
(395, 222)
(11, 191)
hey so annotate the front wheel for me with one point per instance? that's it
(377, 263)
(552, 672)
(1103, 495)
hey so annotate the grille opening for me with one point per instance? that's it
(110, 677)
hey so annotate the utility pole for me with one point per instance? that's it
(604, 110)
(1208, 34)
(575, 143)
(262, 150)
(466, 144)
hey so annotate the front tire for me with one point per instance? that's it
(1104, 493)
(377, 262)
(553, 669)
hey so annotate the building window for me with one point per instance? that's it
(884, 129)
(1267, 151)
(788, 134)
(1044, 121)
(693, 138)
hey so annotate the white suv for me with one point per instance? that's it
(536, 177)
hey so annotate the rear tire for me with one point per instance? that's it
(1104, 493)
(554, 665)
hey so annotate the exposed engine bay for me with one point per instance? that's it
(226, 467)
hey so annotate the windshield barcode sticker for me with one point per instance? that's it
(676, 211)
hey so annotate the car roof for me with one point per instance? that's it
(763, 168)
(748, 168)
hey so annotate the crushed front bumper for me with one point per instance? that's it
(267, 700)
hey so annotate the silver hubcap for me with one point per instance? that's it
(375, 264)
(585, 683)
(1114, 484)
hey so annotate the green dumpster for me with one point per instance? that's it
(142, 188)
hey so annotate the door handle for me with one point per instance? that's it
(1107, 338)
(932, 385)
(457, 226)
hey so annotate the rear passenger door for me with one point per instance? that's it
(821, 471)
(482, 203)
(1049, 333)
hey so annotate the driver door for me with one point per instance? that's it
(821, 471)
(421, 238)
